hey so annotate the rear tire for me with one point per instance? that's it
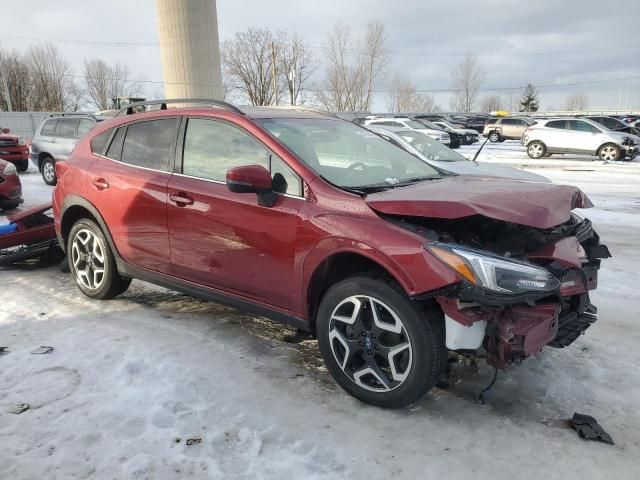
(92, 263)
(536, 150)
(609, 152)
(391, 362)
(22, 165)
(48, 170)
(494, 137)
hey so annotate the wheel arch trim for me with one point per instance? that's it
(73, 201)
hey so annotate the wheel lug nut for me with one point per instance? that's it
(361, 344)
(373, 335)
(368, 352)
(377, 347)
(363, 333)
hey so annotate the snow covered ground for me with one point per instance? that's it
(132, 379)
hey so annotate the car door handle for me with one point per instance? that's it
(100, 184)
(53, 140)
(181, 199)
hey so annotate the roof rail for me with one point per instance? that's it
(72, 114)
(129, 109)
(303, 108)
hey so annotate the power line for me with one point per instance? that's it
(441, 90)
(435, 53)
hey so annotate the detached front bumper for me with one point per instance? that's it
(630, 150)
(515, 328)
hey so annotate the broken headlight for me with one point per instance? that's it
(494, 273)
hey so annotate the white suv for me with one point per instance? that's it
(573, 135)
(398, 122)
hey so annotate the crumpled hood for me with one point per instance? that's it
(538, 205)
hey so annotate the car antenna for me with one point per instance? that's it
(479, 150)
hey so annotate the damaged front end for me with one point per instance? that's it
(521, 287)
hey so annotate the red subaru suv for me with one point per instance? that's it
(312, 220)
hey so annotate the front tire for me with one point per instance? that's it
(381, 347)
(48, 170)
(91, 262)
(536, 150)
(494, 137)
(609, 152)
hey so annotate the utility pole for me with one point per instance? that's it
(292, 85)
(628, 97)
(5, 87)
(274, 73)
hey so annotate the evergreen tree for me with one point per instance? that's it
(529, 101)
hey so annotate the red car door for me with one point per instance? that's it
(226, 240)
(128, 186)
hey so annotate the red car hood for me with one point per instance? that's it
(539, 205)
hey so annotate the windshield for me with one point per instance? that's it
(430, 148)
(430, 125)
(347, 155)
(415, 124)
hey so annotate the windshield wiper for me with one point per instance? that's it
(411, 181)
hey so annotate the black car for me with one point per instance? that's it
(456, 140)
(476, 122)
(614, 124)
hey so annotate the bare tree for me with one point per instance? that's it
(18, 80)
(576, 102)
(354, 67)
(466, 79)
(375, 56)
(295, 64)
(248, 62)
(105, 82)
(491, 103)
(52, 79)
(403, 97)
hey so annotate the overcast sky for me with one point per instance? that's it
(593, 43)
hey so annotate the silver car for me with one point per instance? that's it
(578, 136)
(445, 159)
(55, 139)
(409, 124)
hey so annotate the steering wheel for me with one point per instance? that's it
(353, 166)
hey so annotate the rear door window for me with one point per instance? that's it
(49, 127)
(580, 126)
(559, 124)
(68, 127)
(151, 143)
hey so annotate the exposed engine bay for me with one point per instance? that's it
(517, 325)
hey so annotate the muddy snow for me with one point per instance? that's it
(159, 385)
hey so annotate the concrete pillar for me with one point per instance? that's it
(190, 49)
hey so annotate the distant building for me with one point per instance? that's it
(190, 48)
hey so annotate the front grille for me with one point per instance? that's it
(7, 143)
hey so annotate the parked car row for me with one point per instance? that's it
(440, 129)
